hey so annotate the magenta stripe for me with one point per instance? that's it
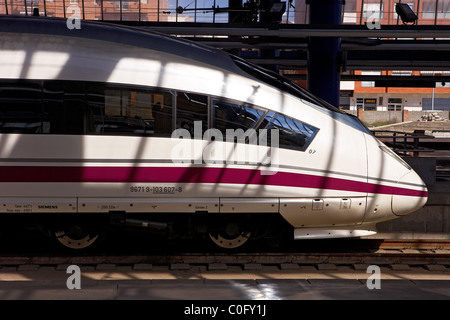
(193, 175)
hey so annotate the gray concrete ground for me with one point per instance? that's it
(234, 284)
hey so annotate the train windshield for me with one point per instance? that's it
(284, 84)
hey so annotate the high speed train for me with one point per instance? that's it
(109, 125)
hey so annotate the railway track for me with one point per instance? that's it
(415, 245)
(386, 252)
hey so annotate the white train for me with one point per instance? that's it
(88, 138)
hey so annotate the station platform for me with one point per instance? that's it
(236, 286)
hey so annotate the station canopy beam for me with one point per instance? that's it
(392, 47)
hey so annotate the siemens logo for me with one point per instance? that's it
(47, 207)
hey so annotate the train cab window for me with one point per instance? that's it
(129, 111)
(266, 119)
(292, 133)
(21, 108)
(228, 115)
(192, 107)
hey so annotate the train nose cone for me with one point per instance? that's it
(410, 195)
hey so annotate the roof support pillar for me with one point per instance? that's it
(323, 78)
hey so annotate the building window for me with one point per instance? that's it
(402, 73)
(395, 104)
(373, 10)
(443, 9)
(349, 15)
(367, 84)
(428, 9)
(370, 104)
(369, 73)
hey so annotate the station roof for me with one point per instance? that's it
(391, 45)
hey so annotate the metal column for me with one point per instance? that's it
(324, 52)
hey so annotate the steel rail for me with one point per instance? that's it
(379, 258)
(413, 252)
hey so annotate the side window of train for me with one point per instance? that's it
(21, 108)
(293, 134)
(190, 108)
(64, 102)
(229, 115)
(129, 111)
(42, 107)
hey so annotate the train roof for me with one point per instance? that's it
(133, 36)
(127, 35)
(150, 40)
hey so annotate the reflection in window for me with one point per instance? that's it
(292, 133)
(229, 115)
(192, 107)
(129, 111)
(64, 104)
(21, 109)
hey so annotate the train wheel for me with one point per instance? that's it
(231, 236)
(226, 242)
(76, 236)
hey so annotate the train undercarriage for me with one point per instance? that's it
(221, 231)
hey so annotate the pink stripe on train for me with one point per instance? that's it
(193, 175)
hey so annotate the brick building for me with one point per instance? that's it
(125, 10)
